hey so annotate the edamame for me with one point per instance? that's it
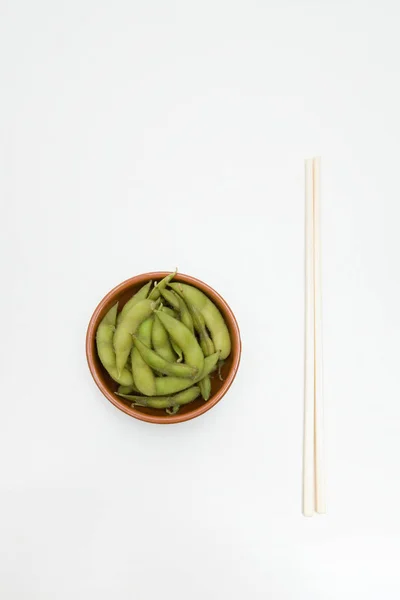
(160, 341)
(159, 287)
(159, 364)
(170, 385)
(212, 316)
(105, 349)
(185, 339)
(140, 295)
(143, 376)
(165, 401)
(126, 327)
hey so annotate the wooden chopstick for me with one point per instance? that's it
(320, 499)
(314, 498)
(309, 362)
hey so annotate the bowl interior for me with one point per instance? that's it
(220, 382)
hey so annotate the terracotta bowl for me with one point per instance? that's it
(108, 387)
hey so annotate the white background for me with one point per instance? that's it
(139, 136)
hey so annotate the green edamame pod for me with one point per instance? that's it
(127, 389)
(155, 292)
(185, 339)
(144, 332)
(140, 295)
(206, 342)
(159, 364)
(171, 298)
(179, 399)
(105, 349)
(212, 316)
(177, 351)
(170, 311)
(184, 313)
(165, 386)
(143, 376)
(205, 387)
(126, 327)
(160, 341)
(207, 345)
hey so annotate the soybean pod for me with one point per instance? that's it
(212, 316)
(140, 295)
(185, 339)
(155, 292)
(143, 375)
(170, 385)
(158, 363)
(171, 298)
(127, 326)
(205, 387)
(105, 349)
(160, 341)
(179, 399)
(206, 342)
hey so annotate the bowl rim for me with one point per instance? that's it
(126, 408)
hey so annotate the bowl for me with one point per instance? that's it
(108, 386)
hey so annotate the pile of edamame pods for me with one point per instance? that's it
(163, 345)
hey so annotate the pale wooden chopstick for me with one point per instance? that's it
(320, 499)
(309, 366)
(313, 450)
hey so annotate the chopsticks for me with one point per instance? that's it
(313, 442)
